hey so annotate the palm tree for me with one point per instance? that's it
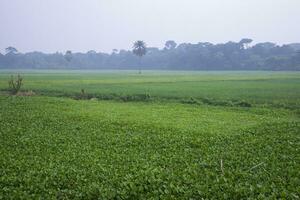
(139, 49)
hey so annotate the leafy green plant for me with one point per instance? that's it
(82, 94)
(268, 89)
(115, 150)
(243, 104)
(190, 101)
(136, 97)
(15, 84)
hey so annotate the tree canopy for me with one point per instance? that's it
(11, 50)
(68, 55)
(139, 48)
(242, 55)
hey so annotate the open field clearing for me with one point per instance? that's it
(185, 135)
(281, 89)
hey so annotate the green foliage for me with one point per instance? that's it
(137, 97)
(197, 134)
(59, 148)
(83, 95)
(244, 103)
(190, 101)
(260, 89)
(214, 102)
(186, 56)
(15, 85)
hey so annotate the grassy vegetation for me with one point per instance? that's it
(171, 146)
(276, 88)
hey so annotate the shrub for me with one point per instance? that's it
(190, 101)
(244, 104)
(82, 94)
(15, 85)
(207, 101)
(137, 97)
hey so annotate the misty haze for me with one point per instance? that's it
(137, 99)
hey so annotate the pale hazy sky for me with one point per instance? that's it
(101, 25)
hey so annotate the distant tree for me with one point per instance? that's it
(244, 43)
(11, 50)
(298, 56)
(68, 55)
(153, 51)
(295, 46)
(122, 51)
(91, 52)
(114, 51)
(267, 45)
(186, 56)
(170, 44)
(139, 49)
(205, 44)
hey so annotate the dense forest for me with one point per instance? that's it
(186, 56)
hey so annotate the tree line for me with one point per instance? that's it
(186, 56)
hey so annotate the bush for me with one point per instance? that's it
(244, 104)
(82, 94)
(137, 97)
(191, 101)
(15, 85)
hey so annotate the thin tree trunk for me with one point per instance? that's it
(140, 59)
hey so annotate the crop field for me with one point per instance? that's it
(158, 135)
(276, 88)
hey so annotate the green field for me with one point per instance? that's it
(159, 135)
(279, 89)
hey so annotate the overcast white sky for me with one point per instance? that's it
(101, 25)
